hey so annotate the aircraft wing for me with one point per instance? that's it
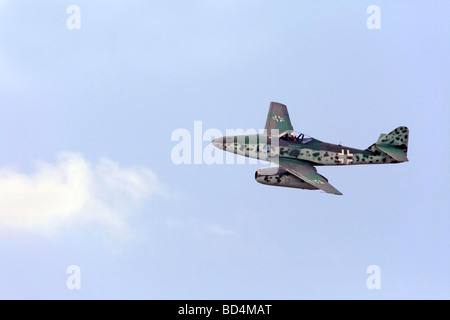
(307, 173)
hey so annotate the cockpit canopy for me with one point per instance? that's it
(295, 137)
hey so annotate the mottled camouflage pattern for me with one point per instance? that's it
(315, 151)
(296, 156)
(280, 177)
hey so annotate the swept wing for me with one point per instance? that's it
(307, 173)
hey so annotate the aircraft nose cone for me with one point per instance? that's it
(218, 143)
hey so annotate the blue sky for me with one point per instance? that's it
(87, 179)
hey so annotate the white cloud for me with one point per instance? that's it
(73, 192)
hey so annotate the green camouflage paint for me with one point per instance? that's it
(296, 156)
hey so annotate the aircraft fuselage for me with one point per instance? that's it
(313, 151)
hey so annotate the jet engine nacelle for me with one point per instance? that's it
(281, 178)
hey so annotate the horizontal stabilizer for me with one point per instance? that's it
(394, 144)
(394, 152)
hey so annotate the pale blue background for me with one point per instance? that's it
(138, 70)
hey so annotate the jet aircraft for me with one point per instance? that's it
(297, 154)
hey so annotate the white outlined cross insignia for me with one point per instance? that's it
(278, 118)
(345, 158)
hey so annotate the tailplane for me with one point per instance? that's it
(394, 144)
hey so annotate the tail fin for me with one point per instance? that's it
(394, 144)
(278, 118)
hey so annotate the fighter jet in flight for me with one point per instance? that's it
(297, 154)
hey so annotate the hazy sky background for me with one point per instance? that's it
(87, 179)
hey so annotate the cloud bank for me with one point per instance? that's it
(72, 192)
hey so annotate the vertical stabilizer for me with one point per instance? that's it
(278, 118)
